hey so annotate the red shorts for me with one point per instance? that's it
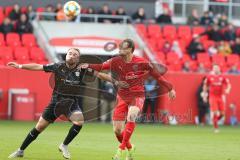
(216, 103)
(122, 104)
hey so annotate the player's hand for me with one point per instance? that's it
(83, 66)
(13, 64)
(227, 91)
(122, 84)
(172, 94)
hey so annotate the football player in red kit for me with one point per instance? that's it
(133, 70)
(218, 86)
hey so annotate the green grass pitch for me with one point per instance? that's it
(97, 142)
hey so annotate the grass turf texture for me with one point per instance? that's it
(97, 142)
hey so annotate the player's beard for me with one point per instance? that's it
(71, 62)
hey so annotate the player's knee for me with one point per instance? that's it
(132, 118)
(78, 123)
(40, 127)
(118, 131)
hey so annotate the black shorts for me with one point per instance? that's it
(61, 105)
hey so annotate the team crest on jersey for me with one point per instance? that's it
(77, 74)
(135, 67)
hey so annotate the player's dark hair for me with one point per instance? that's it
(130, 44)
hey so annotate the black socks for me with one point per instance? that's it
(73, 132)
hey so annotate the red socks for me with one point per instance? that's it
(215, 121)
(119, 137)
(127, 133)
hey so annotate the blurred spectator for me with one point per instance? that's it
(214, 33)
(212, 50)
(15, 13)
(23, 26)
(60, 15)
(233, 116)
(58, 7)
(223, 21)
(165, 17)
(236, 46)
(90, 10)
(234, 69)
(224, 48)
(230, 33)
(105, 11)
(176, 49)
(201, 68)
(166, 47)
(206, 19)
(193, 19)
(29, 10)
(120, 12)
(151, 93)
(139, 16)
(195, 47)
(186, 67)
(6, 26)
(203, 104)
(49, 10)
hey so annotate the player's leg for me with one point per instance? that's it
(118, 127)
(33, 134)
(129, 127)
(214, 112)
(77, 120)
(221, 107)
(119, 118)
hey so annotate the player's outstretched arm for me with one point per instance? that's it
(107, 77)
(228, 88)
(30, 66)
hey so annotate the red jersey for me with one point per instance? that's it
(134, 73)
(216, 84)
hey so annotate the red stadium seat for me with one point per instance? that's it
(154, 30)
(29, 40)
(24, 9)
(6, 54)
(184, 31)
(203, 57)
(21, 53)
(1, 15)
(37, 54)
(40, 9)
(172, 58)
(238, 31)
(218, 59)
(13, 39)
(198, 30)
(186, 58)
(176, 67)
(232, 59)
(8, 10)
(169, 32)
(160, 56)
(142, 29)
(208, 43)
(2, 41)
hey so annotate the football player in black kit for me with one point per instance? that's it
(68, 79)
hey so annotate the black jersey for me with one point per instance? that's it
(67, 82)
(68, 88)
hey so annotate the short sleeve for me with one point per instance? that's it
(226, 80)
(50, 67)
